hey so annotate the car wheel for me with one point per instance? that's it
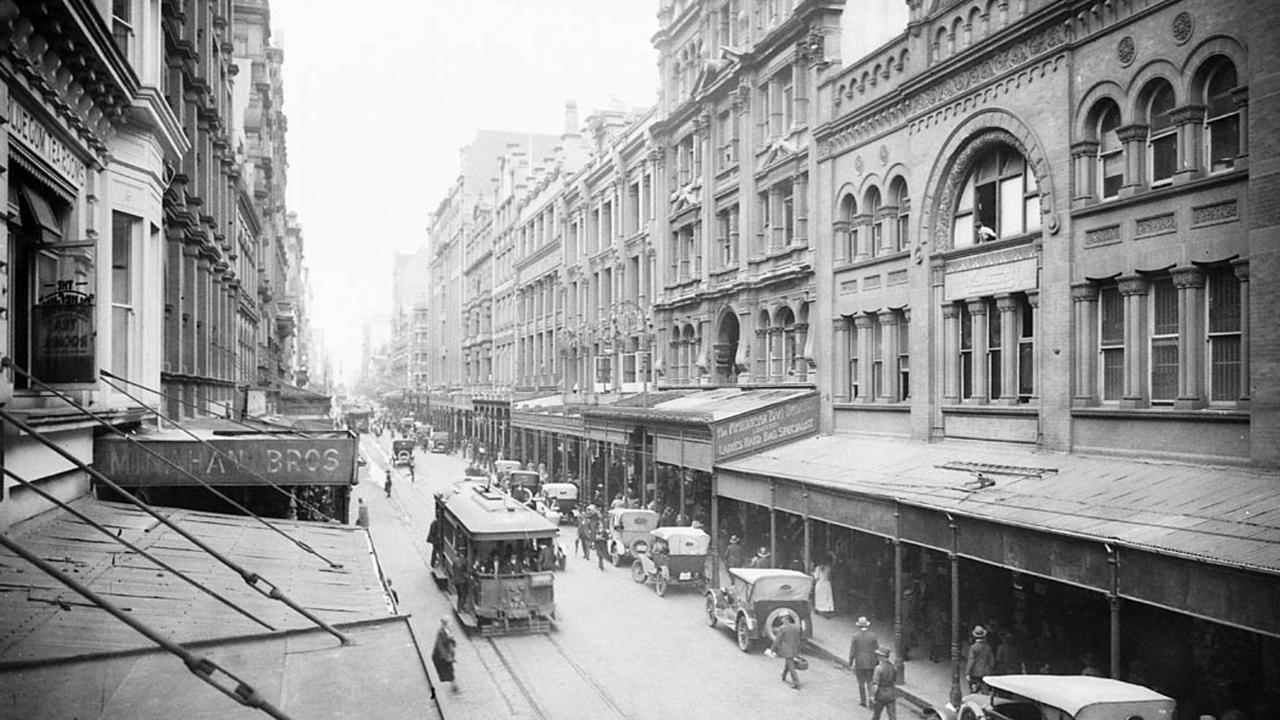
(637, 572)
(744, 635)
(774, 621)
(711, 610)
(660, 583)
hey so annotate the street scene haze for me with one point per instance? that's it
(572, 359)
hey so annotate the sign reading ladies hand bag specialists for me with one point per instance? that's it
(62, 350)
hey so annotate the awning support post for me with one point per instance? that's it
(954, 556)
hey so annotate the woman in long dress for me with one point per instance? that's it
(823, 599)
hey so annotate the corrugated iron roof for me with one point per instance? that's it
(40, 618)
(305, 674)
(1229, 515)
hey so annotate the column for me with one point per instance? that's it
(889, 355)
(803, 352)
(1241, 268)
(1189, 282)
(1084, 161)
(863, 325)
(1084, 299)
(978, 314)
(1033, 306)
(777, 224)
(951, 353)
(1190, 122)
(840, 354)
(1007, 305)
(1133, 290)
(800, 199)
(762, 355)
(777, 360)
(840, 238)
(1134, 138)
(862, 224)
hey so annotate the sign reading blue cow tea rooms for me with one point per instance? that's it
(237, 461)
(764, 428)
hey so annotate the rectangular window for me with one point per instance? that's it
(966, 352)
(123, 230)
(900, 235)
(1026, 350)
(1111, 341)
(1011, 206)
(122, 26)
(1164, 340)
(788, 219)
(877, 359)
(1164, 157)
(904, 359)
(853, 360)
(994, 354)
(1225, 335)
(1224, 142)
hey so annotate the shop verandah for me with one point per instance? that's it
(1148, 572)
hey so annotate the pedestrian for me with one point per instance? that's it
(602, 544)
(362, 514)
(982, 660)
(433, 539)
(445, 653)
(762, 558)
(733, 555)
(823, 599)
(386, 486)
(862, 657)
(586, 535)
(884, 692)
(1009, 659)
(412, 475)
(786, 645)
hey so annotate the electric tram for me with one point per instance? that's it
(497, 560)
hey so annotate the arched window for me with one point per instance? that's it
(785, 356)
(902, 201)
(848, 210)
(1110, 152)
(1162, 137)
(875, 242)
(1221, 118)
(1000, 198)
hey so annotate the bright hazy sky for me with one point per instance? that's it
(381, 95)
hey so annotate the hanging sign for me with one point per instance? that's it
(62, 350)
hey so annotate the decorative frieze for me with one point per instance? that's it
(848, 286)
(871, 282)
(897, 277)
(1227, 211)
(1155, 225)
(1102, 236)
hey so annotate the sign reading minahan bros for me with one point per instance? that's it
(764, 428)
(283, 461)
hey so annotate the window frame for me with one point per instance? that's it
(1158, 136)
(1106, 153)
(1224, 337)
(968, 209)
(1211, 120)
(1163, 296)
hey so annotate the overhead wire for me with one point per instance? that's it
(199, 665)
(252, 579)
(161, 563)
(223, 454)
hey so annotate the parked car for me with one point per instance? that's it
(1061, 697)
(402, 452)
(523, 484)
(629, 532)
(439, 441)
(756, 602)
(544, 508)
(502, 468)
(676, 556)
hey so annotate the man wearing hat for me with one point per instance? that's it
(982, 659)
(762, 559)
(862, 658)
(884, 692)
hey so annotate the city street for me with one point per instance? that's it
(619, 649)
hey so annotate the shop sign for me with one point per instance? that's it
(284, 461)
(763, 428)
(62, 329)
(34, 135)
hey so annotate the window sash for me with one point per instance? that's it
(1224, 142)
(1164, 157)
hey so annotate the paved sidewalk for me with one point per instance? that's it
(925, 684)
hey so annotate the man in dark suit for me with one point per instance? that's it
(884, 692)
(786, 645)
(862, 657)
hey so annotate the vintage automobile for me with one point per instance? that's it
(629, 532)
(502, 468)
(547, 510)
(402, 452)
(676, 556)
(439, 441)
(1061, 697)
(523, 485)
(564, 496)
(756, 602)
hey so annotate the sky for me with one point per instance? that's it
(380, 96)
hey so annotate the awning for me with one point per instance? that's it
(42, 213)
(41, 619)
(1182, 530)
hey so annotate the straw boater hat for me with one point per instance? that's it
(763, 552)
(979, 632)
(863, 623)
(733, 538)
(882, 651)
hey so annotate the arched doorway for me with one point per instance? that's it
(726, 349)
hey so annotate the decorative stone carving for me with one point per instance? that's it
(857, 164)
(1183, 27)
(1126, 50)
(1227, 211)
(1102, 236)
(1155, 225)
(1084, 292)
(884, 155)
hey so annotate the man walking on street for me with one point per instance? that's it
(862, 657)
(982, 660)
(362, 514)
(786, 645)
(884, 691)
(386, 486)
(602, 544)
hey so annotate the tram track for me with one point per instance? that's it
(589, 699)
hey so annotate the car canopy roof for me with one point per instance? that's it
(633, 518)
(775, 584)
(1077, 694)
(561, 490)
(684, 540)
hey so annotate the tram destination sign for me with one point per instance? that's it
(765, 427)
(228, 461)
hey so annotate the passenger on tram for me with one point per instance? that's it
(546, 556)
